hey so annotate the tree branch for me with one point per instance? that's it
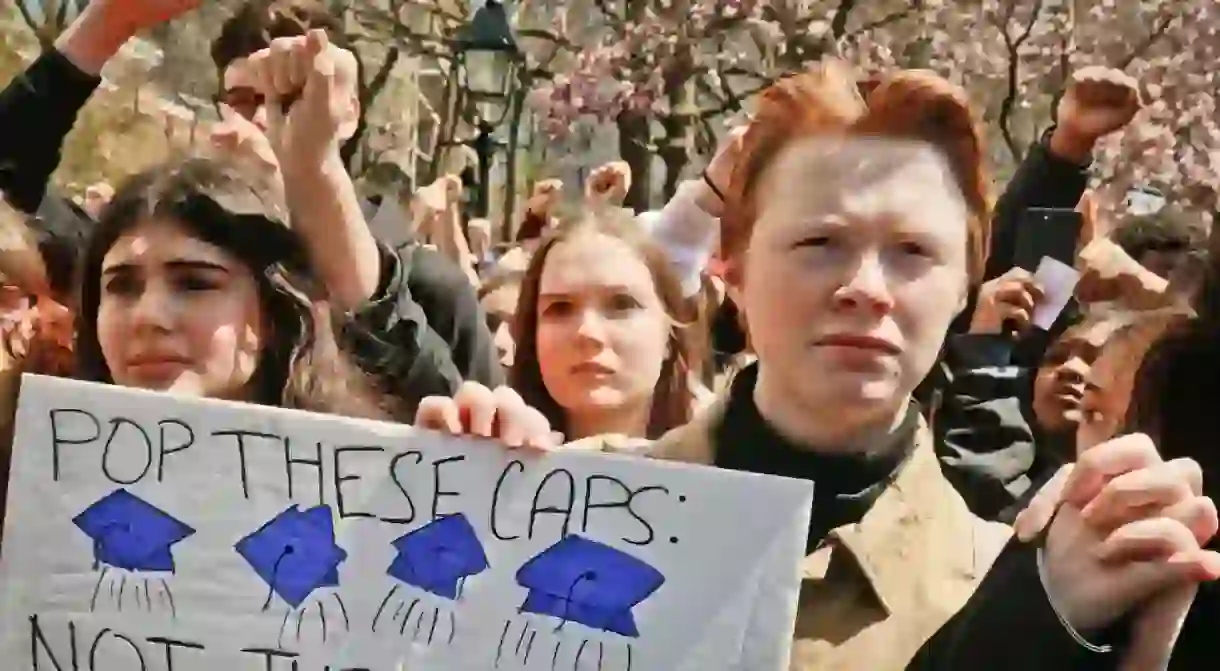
(1014, 44)
(1158, 31)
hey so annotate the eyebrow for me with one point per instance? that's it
(176, 264)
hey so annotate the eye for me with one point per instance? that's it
(623, 303)
(814, 241)
(915, 248)
(196, 282)
(557, 309)
(121, 284)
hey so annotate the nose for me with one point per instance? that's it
(591, 326)
(153, 311)
(1073, 371)
(867, 288)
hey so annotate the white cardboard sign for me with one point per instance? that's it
(148, 533)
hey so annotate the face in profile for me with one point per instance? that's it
(178, 314)
(602, 330)
(1059, 388)
(500, 306)
(855, 268)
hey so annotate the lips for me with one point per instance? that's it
(592, 368)
(860, 342)
(156, 366)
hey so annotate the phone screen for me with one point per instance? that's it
(1047, 232)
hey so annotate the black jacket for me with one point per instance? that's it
(422, 333)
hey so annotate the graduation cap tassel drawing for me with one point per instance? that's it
(579, 580)
(132, 550)
(435, 559)
(296, 556)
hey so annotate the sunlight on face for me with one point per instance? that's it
(602, 330)
(1059, 387)
(178, 314)
(854, 271)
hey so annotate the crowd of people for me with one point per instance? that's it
(836, 298)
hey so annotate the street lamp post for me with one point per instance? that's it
(487, 57)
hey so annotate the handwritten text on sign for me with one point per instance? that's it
(145, 532)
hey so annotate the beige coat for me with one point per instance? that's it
(877, 590)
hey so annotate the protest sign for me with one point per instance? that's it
(145, 532)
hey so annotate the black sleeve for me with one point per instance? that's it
(1042, 180)
(453, 312)
(37, 110)
(1009, 625)
(984, 441)
(396, 338)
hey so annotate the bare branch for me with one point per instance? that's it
(1013, 45)
(1158, 31)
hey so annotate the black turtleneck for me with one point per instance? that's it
(845, 484)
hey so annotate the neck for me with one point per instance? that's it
(828, 428)
(624, 421)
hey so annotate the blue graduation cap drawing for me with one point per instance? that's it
(131, 533)
(438, 556)
(295, 553)
(582, 580)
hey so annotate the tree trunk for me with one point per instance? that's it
(633, 140)
(675, 152)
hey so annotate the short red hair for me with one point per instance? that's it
(827, 101)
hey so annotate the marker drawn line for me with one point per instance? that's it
(402, 631)
(555, 655)
(121, 588)
(283, 625)
(98, 588)
(601, 654)
(322, 619)
(530, 645)
(436, 615)
(452, 627)
(384, 601)
(347, 624)
(579, 652)
(629, 657)
(300, 620)
(521, 639)
(147, 595)
(170, 597)
(419, 621)
(500, 648)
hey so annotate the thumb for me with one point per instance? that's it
(1157, 628)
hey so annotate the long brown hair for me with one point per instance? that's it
(828, 101)
(673, 397)
(301, 365)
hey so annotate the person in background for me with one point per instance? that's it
(418, 326)
(539, 211)
(96, 197)
(482, 253)
(604, 342)
(499, 296)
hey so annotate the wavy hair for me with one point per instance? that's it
(673, 396)
(829, 100)
(301, 365)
